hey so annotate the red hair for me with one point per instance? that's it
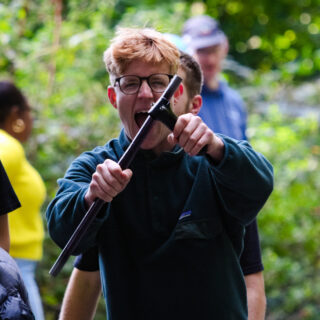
(145, 44)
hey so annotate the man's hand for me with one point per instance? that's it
(192, 134)
(107, 182)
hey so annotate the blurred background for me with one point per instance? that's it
(52, 49)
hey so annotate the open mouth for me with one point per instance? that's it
(140, 118)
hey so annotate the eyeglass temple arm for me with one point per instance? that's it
(124, 163)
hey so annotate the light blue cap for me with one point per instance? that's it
(177, 41)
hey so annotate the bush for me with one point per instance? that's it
(289, 223)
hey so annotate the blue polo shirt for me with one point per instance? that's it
(224, 112)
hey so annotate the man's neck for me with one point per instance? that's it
(213, 84)
(165, 146)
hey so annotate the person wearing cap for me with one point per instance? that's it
(223, 110)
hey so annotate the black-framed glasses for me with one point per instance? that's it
(130, 84)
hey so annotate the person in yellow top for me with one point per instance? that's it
(25, 224)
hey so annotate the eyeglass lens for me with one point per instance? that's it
(131, 84)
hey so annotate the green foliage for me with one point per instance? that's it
(267, 35)
(55, 55)
(289, 223)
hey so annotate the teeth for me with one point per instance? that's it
(143, 112)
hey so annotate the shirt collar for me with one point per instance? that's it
(219, 90)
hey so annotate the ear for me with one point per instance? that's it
(196, 104)
(178, 93)
(10, 124)
(112, 96)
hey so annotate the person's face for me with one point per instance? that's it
(133, 108)
(27, 118)
(210, 60)
(184, 103)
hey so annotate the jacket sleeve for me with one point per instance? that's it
(67, 209)
(244, 180)
(14, 303)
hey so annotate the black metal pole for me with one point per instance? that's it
(124, 163)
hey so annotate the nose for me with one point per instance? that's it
(211, 58)
(145, 91)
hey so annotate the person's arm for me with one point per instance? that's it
(4, 233)
(81, 296)
(256, 297)
(89, 177)
(243, 177)
(252, 267)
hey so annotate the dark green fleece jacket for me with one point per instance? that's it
(169, 244)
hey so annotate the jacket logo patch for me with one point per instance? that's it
(185, 215)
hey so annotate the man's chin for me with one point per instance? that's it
(148, 144)
(155, 139)
(156, 144)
